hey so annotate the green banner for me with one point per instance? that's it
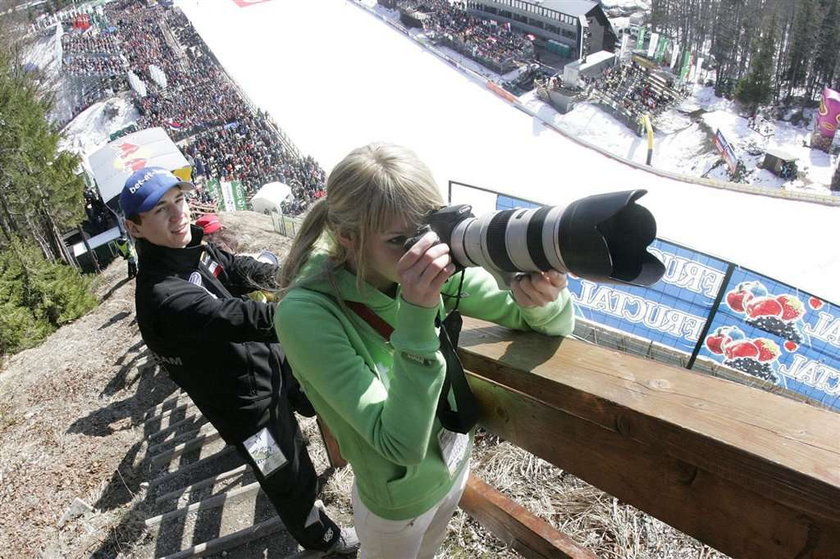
(239, 199)
(640, 42)
(229, 196)
(212, 187)
(660, 48)
(685, 65)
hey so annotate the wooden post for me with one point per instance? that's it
(530, 535)
(333, 452)
(89, 250)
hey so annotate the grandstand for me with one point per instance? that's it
(630, 91)
(579, 24)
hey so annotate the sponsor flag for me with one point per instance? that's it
(675, 55)
(654, 42)
(685, 65)
(661, 48)
(640, 41)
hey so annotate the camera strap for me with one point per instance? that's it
(465, 416)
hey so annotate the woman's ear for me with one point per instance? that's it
(346, 239)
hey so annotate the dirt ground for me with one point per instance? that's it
(71, 448)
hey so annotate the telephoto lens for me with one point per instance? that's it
(603, 238)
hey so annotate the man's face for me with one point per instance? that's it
(167, 224)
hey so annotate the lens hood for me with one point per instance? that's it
(604, 238)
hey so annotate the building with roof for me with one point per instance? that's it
(581, 25)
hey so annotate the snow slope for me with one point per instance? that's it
(336, 76)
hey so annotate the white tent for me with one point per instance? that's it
(270, 197)
(137, 84)
(114, 163)
(158, 75)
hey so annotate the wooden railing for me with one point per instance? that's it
(749, 473)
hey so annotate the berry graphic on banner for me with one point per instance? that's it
(776, 314)
(756, 357)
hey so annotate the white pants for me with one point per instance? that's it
(415, 538)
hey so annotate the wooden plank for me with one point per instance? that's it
(748, 472)
(331, 445)
(207, 482)
(230, 541)
(214, 501)
(530, 535)
(195, 444)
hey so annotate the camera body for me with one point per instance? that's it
(603, 238)
(442, 221)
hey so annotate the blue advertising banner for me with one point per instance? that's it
(672, 312)
(714, 310)
(775, 332)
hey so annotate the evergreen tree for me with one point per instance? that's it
(40, 192)
(756, 87)
(828, 45)
(802, 45)
(37, 296)
(40, 196)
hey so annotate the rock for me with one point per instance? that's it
(77, 509)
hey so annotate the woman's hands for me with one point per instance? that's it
(538, 288)
(426, 266)
(423, 270)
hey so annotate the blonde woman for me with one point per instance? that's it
(358, 324)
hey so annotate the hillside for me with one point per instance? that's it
(75, 447)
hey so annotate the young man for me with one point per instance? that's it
(222, 349)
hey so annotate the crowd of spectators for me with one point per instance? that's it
(248, 151)
(633, 91)
(88, 43)
(221, 134)
(493, 44)
(94, 65)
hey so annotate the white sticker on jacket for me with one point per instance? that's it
(266, 453)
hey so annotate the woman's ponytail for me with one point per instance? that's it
(310, 231)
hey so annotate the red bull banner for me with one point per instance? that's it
(113, 164)
(829, 114)
(246, 3)
(827, 120)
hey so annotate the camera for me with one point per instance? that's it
(603, 238)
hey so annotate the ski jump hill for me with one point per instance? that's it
(335, 76)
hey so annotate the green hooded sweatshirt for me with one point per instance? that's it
(379, 397)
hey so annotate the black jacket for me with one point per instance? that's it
(218, 346)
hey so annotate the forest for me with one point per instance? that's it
(41, 197)
(764, 51)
